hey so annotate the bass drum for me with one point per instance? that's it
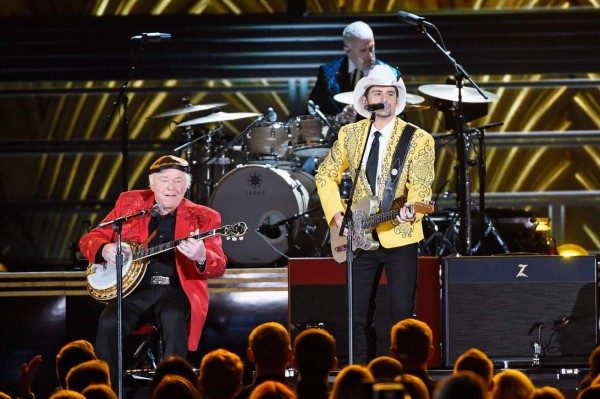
(260, 196)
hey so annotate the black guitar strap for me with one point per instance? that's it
(397, 166)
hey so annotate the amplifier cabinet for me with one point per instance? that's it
(500, 304)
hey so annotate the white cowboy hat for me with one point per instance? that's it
(380, 75)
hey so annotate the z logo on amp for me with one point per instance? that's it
(521, 272)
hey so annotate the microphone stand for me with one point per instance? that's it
(332, 131)
(462, 146)
(349, 224)
(117, 227)
(123, 100)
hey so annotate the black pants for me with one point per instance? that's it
(401, 271)
(171, 312)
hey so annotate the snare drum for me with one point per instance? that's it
(270, 140)
(309, 135)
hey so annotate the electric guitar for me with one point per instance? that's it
(101, 279)
(364, 221)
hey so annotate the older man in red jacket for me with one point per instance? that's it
(174, 286)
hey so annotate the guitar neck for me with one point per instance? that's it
(379, 218)
(170, 245)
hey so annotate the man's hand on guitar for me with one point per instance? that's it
(339, 219)
(109, 253)
(407, 214)
(193, 249)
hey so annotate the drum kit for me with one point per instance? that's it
(259, 176)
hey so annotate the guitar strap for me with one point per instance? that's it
(150, 237)
(397, 166)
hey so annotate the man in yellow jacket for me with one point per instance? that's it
(382, 94)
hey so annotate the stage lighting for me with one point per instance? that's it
(571, 250)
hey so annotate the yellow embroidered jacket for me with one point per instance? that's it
(414, 184)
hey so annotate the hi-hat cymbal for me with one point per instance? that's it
(450, 93)
(188, 109)
(347, 98)
(219, 117)
(415, 107)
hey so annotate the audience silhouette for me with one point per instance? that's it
(314, 358)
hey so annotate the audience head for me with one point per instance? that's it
(4, 396)
(221, 374)
(99, 391)
(546, 393)
(385, 368)
(594, 363)
(87, 373)
(269, 348)
(314, 354)
(173, 386)
(272, 390)
(476, 361)
(591, 392)
(351, 383)
(414, 386)
(70, 355)
(412, 342)
(511, 384)
(175, 365)
(66, 394)
(461, 385)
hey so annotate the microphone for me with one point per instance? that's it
(561, 323)
(156, 210)
(271, 231)
(153, 37)
(413, 19)
(376, 107)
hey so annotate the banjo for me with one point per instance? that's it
(101, 279)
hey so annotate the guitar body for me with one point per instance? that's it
(101, 279)
(365, 220)
(362, 238)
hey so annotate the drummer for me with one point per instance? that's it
(341, 75)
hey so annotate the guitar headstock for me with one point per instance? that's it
(424, 207)
(235, 231)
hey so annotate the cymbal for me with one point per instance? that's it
(188, 109)
(347, 98)
(415, 107)
(219, 117)
(450, 93)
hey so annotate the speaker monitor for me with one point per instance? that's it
(318, 294)
(501, 304)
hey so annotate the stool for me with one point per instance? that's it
(149, 330)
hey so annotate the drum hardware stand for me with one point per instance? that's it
(488, 228)
(485, 224)
(240, 136)
(441, 240)
(208, 145)
(117, 227)
(462, 143)
(332, 132)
